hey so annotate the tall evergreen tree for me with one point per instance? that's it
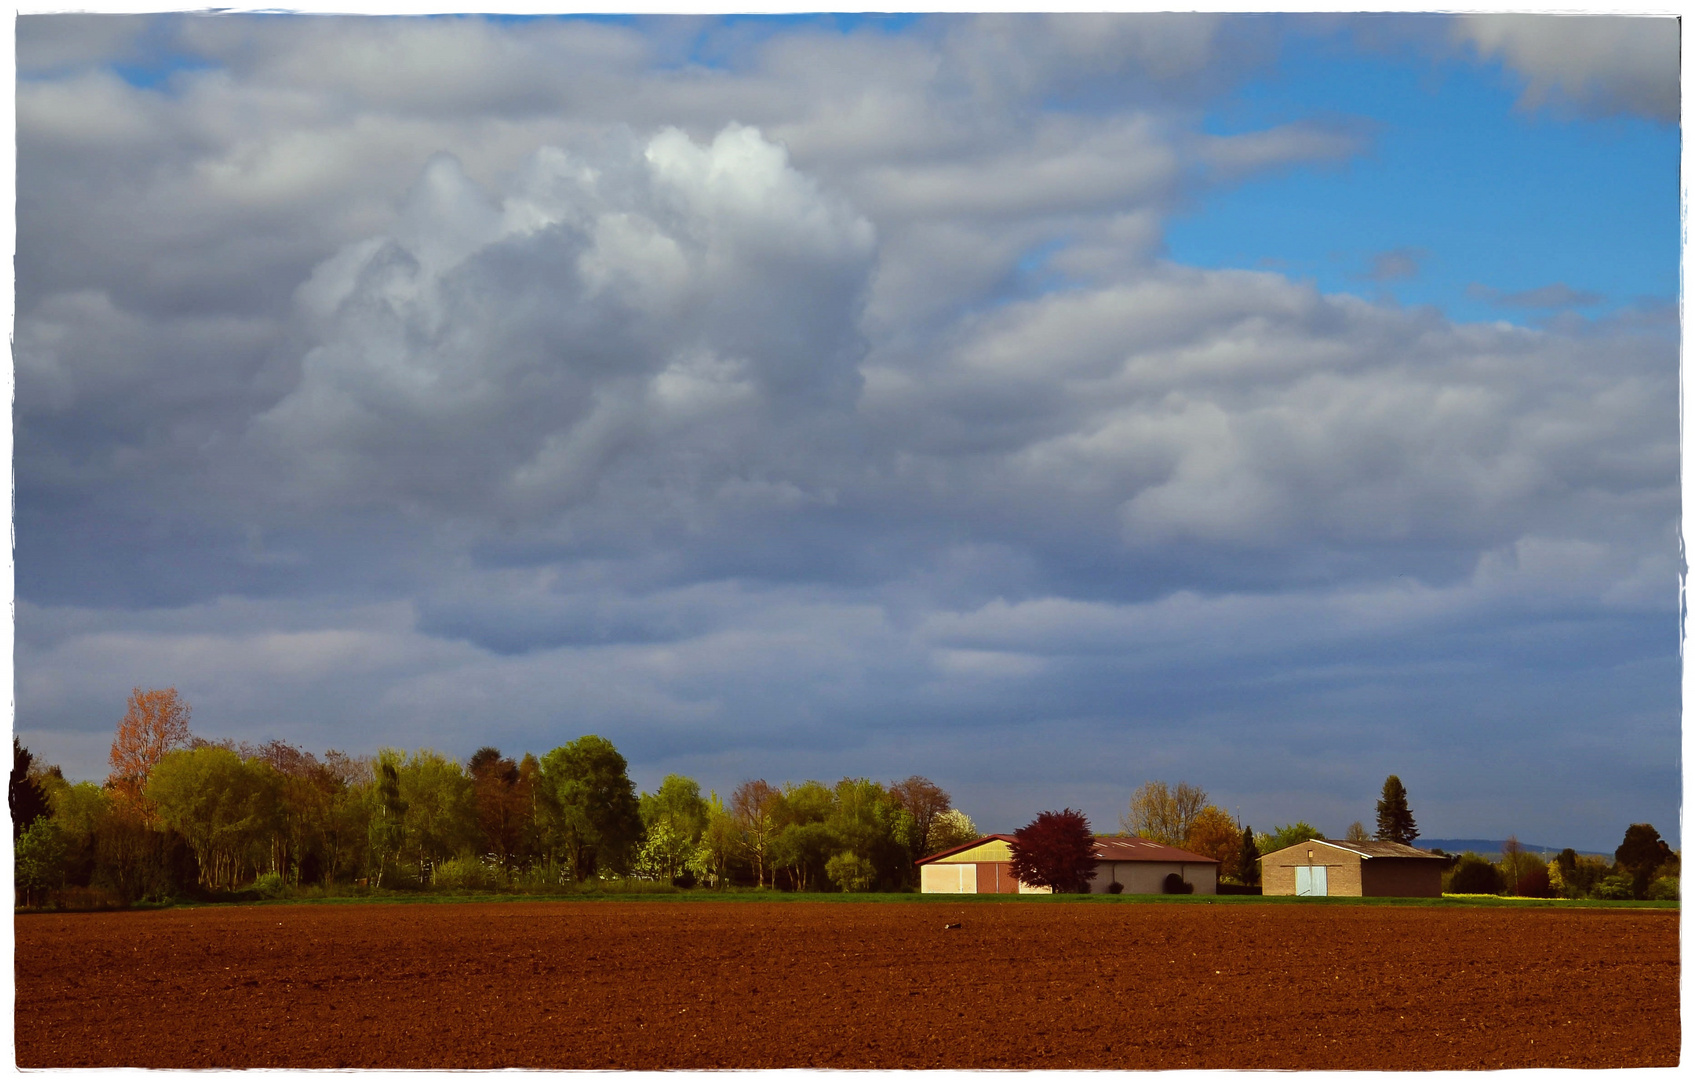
(25, 795)
(1394, 820)
(1247, 870)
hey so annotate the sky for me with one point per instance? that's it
(1040, 404)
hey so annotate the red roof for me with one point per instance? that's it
(1107, 849)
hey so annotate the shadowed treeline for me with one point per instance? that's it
(180, 816)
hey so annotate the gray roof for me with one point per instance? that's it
(1380, 849)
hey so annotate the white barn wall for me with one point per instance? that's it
(948, 878)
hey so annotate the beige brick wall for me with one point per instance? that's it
(1277, 870)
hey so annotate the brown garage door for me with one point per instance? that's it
(996, 877)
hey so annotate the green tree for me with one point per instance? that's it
(1056, 851)
(865, 820)
(25, 797)
(385, 812)
(1163, 814)
(951, 829)
(441, 810)
(1641, 853)
(674, 817)
(594, 817)
(804, 842)
(1394, 819)
(1475, 875)
(80, 811)
(717, 846)
(227, 809)
(1247, 870)
(850, 872)
(39, 859)
(804, 848)
(1286, 836)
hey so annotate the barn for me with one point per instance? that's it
(1350, 868)
(1140, 866)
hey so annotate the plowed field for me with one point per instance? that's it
(689, 985)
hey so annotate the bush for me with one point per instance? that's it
(270, 886)
(1473, 874)
(1664, 888)
(465, 873)
(850, 872)
(1176, 886)
(1115, 888)
(1615, 887)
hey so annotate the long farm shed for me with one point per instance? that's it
(1133, 864)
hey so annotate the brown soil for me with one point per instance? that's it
(657, 985)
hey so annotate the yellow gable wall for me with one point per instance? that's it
(993, 851)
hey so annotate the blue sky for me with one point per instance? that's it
(1474, 191)
(1043, 405)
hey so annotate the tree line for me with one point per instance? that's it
(1643, 867)
(181, 815)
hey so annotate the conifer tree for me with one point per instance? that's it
(1394, 819)
(1247, 871)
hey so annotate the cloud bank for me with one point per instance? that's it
(823, 406)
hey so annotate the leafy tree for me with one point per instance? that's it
(1286, 836)
(718, 844)
(925, 802)
(594, 818)
(441, 810)
(1163, 814)
(803, 848)
(1057, 851)
(866, 820)
(804, 841)
(1474, 874)
(1394, 819)
(24, 795)
(1523, 873)
(226, 808)
(1247, 869)
(1641, 853)
(850, 872)
(154, 724)
(504, 808)
(386, 811)
(1575, 876)
(1216, 836)
(674, 817)
(39, 859)
(754, 806)
(951, 829)
(1357, 833)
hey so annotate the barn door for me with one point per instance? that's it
(1312, 881)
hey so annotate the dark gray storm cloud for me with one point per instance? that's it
(454, 382)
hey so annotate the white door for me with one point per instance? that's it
(1312, 881)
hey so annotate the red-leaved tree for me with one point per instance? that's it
(1055, 850)
(155, 723)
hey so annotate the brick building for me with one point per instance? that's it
(1137, 865)
(1344, 868)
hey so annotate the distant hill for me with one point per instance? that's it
(1493, 847)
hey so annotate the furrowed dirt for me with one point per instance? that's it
(692, 985)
